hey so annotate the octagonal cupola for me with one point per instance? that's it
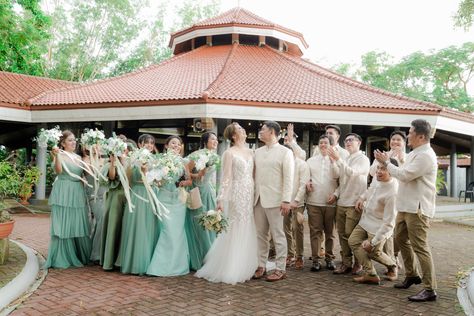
(238, 26)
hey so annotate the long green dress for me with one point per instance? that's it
(114, 207)
(140, 231)
(70, 244)
(96, 202)
(199, 239)
(171, 256)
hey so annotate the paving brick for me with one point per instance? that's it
(91, 291)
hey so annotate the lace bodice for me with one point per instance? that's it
(237, 187)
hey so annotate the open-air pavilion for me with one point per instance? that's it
(233, 67)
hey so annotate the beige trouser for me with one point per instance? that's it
(365, 258)
(411, 236)
(270, 219)
(347, 219)
(294, 233)
(321, 222)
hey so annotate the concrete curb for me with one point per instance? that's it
(24, 283)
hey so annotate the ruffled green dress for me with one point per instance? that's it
(199, 239)
(70, 245)
(140, 230)
(96, 202)
(171, 255)
(114, 208)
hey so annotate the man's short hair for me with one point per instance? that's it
(330, 139)
(274, 126)
(336, 127)
(355, 135)
(422, 127)
(394, 161)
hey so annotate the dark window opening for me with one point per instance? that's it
(272, 42)
(199, 41)
(224, 39)
(245, 39)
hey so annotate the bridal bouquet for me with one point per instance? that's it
(204, 158)
(166, 167)
(114, 146)
(49, 138)
(91, 137)
(213, 221)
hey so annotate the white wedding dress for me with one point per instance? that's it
(233, 255)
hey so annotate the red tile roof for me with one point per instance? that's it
(15, 89)
(234, 74)
(238, 17)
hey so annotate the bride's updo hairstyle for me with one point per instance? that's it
(229, 132)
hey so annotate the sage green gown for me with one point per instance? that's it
(114, 208)
(171, 256)
(199, 239)
(140, 231)
(70, 245)
(96, 202)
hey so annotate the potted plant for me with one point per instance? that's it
(6, 223)
(30, 176)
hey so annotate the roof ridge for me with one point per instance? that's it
(207, 92)
(37, 77)
(354, 82)
(31, 100)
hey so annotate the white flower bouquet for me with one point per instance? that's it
(49, 138)
(204, 158)
(114, 146)
(166, 167)
(214, 221)
(92, 137)
(140, 157)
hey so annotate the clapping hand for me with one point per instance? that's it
(333, 154)
(332, 199)
(285, 208)
(359, 206)
(381, 156)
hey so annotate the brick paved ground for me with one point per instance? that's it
(13, 266)
(91, 291)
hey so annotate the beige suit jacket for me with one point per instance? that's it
(274, 173)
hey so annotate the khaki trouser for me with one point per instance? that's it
(270, 219)
(321, 222)
(391, 249)
(347, 219)
(411, 235)
(294, 233)
(365, 258)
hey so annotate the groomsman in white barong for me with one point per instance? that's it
(274, 173)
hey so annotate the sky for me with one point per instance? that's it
(340, 31)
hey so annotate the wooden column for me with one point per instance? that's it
(209, 40)
(235, 38)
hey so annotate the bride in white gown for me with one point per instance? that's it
(233, 255)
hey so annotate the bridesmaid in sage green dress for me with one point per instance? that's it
(96, 202)
(171, 256)
(114, 206)
(199, 239)
(70, 244)
(140, 227)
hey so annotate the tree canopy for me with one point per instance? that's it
(442, 77)
(465, 14)
(85, 40)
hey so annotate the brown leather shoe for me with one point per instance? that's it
(367, 279)
(343, 269)
(299, 263)
(259, 273)
(356, 269)
(290, 261)
(277, 275)
(423, 296)
(392, 274)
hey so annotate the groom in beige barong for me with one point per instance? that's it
(274, 170)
